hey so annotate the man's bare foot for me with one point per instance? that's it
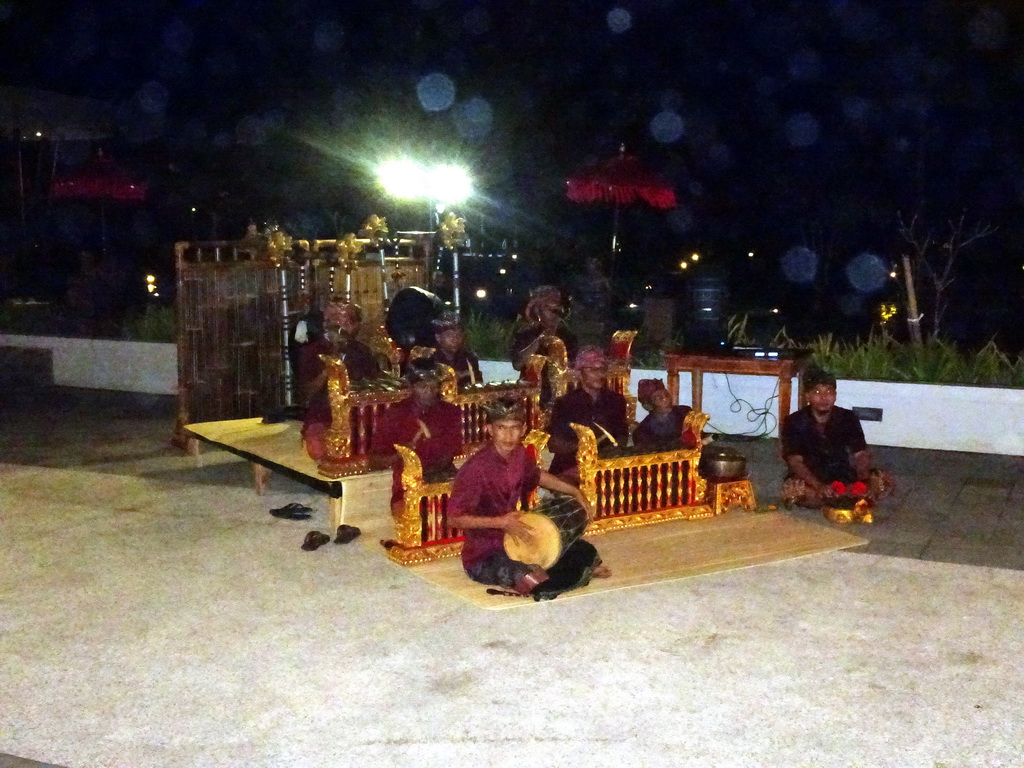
(602, 572)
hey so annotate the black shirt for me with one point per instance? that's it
(826, 452)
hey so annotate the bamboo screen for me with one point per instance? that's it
(230, 352)
(236, 310)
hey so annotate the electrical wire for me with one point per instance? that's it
(763, 418)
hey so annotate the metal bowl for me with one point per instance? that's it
(723, 464)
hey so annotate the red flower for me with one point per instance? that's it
(838, 487)
(858, 488)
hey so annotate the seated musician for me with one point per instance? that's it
(823, 445)
(451, 350)
(341, 324)
(424, 422)
(541, 319)
(592, 404)
(662, 429)
(483, 504)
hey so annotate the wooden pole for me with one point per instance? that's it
(913, 316)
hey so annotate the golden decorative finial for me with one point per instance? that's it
(453, 230)
(278, 244)
(374, 228)
(348, 246)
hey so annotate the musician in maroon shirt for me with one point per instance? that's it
(451, 350)
(487, 490)
(662, 430)
(592, 405)
(342, 322)
(424, 422)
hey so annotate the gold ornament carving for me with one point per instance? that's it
(338, 439)
(374, 229)
(453, 230)
(408, 530)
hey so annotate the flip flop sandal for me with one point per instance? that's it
(346, 533)
(293, 511)
(314, 540)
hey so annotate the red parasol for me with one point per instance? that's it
(622, 180)
(99, 179)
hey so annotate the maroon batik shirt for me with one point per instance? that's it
(399, 425)
(489, 486)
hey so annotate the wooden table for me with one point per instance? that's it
(698, 365)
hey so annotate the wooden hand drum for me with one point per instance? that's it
(554, 525)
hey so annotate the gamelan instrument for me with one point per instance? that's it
(555, 523)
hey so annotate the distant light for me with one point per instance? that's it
(683, 265)
(155, 294)
(633, 305)
(893, 274)
(648, 287)
(515, 256)
(502, 271)
(151, 288)
(775, 310)
(481, 293)
(150, 278)
(695, 257)
(750, 255)
(39, 134)
(193, 209)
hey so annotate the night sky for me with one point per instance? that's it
(781, 125)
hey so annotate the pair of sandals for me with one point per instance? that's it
(315, 539)
(293, 511)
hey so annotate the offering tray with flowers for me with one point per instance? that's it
(852, 504)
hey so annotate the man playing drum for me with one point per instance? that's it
(487, 491)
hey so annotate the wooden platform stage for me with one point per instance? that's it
(278, 448)
(669, 551)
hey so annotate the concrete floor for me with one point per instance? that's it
(153, 614)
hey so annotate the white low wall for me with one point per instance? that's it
(932, 416)
(123, 366)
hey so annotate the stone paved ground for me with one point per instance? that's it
(949, 507)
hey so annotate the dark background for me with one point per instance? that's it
(779, 124)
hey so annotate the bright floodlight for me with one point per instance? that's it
(448, 184)
(403, 179)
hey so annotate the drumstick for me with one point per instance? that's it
(607, 434)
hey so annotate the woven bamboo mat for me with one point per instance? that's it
(669, 551)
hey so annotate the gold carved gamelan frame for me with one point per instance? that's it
(630, 491)
(422, 531)
(355, 413)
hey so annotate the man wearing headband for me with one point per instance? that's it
(451, 349)
(824, 449)
(541, 319)
(341, 323)
(483, 503)
(425, 423)
(662, 429)
(592, 405)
